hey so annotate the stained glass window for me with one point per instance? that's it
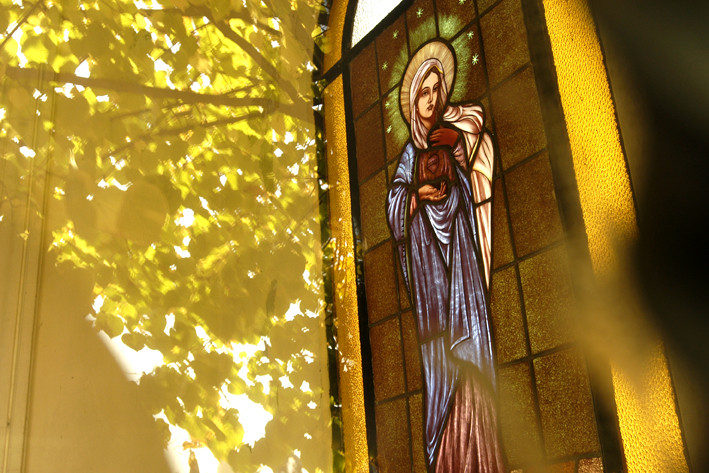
(543, 391)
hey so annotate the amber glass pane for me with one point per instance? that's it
(392, 54)
(519, 423)
(533, 209)
(380, 283)
(372, 195)
(565, 404)
(470, 82)
(505, 38)
(370, 143)
(507, 316)
(518, 119)
(393, 437)
(387, 364)
(421, 21)
(501, 246)
(411, 351)
(591, 465)
(453, 15)
(416, 419)
(363, 75)
(396, 131)
(548, 299)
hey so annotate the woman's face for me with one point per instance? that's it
(428, 97)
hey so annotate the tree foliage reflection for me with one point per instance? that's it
(180, 138)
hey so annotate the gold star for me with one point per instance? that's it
(461, 2)
(385, 66)
(419, 12)
(475, 59)
(396, 34)
(389, 129)
(471, 34)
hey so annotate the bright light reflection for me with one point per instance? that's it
(98, 303)
(252, 416)
(27, 152)
(187, 218)
(182, 253)
(169, 323)
(134, 364)
(17, 36)
(178, 456)
(292, 311)
(285, 382)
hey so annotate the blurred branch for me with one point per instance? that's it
(193, 10)
(208, 124)
(184, 129)
(258, 58)
(30, 75)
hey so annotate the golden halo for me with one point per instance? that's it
(436, 49)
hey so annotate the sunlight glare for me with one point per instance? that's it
(17, 36)
(98, 303)
(178, 456)
(134, 364)
(27, 152)
(252, 416)
(292, 311)
(169, 323)
(83, 70)
(187, 218)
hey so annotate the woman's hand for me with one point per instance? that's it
(444, 137)
(432, 194)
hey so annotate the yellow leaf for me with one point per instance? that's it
(143, 213)
(35, 50)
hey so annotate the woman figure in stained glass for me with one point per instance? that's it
(439, 211)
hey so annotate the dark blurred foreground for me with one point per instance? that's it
(663, 48)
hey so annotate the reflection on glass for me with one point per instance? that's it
(179, 142)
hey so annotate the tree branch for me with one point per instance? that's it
(28, 75)
(193, 10)
(208, 124)
(292, 22)
(258, 58)
(184, 129)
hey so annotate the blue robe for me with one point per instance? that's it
(440, 261)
